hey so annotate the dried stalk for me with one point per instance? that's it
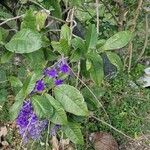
(130, 51)
(146, 38)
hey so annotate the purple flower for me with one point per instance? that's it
(51, 73)
(40, 86)
(64, 68)
(28, 123)
(58, 82)
(54, 129)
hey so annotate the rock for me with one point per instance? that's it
(103, 141)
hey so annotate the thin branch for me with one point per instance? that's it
(48, 132)
(92, 94)
(57, 19)
(10, 19)
(115, 129)
(137, 13)
(130, 51)
(107, 124)
(146, 37)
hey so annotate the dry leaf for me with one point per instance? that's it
(55, 144)
(103, 141)
(3, 131)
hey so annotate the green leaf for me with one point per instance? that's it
(29, 21)
(25, 41)
(83, 69)
(35, 60)
(96, 70)
(65, 33)
(59, 116)
(71, 99)
(115, 60)
(15, 108)
(79, 43)
(91, 37)
(40, 19)
(62, 46)
(118, 40)
(23, 93)
(15, 82)
(6, 57)
(73, 132)
(42, 106)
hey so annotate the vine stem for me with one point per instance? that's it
(146, 37)
(115, 129)
(102, 121)
(47, 135)
(92, 94)
(130, 51)
(10, 19)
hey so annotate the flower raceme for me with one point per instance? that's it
(29, 125)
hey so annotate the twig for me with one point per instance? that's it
(57, 19)
(10, 19)
(92, 94)
(137, 12)
(115, 129)
(146, 37)
(102, 121)
(78, 73)
(47, 135)
(130, 51)
(97, 16)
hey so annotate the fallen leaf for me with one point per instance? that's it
(3, 131)
(55, 143)
(103, 141)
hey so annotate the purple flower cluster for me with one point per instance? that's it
(40, 86)
(28, 123)
(62, 67)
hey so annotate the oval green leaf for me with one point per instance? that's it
(96, 70)
(25, 41)
(73, 132)
(71, 99)
(42, 106)
(115, 60)
(118, 40)
(59, 116)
